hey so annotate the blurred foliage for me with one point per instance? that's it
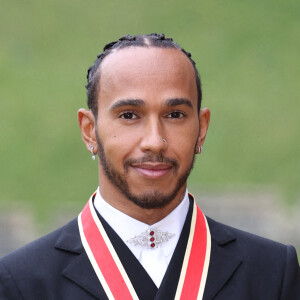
(247, 53)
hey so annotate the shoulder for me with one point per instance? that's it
(259, 262)
(37, 249)
(244, 241)
(52, 267)
(40, 258)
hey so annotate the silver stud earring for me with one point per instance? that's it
(164, 140)
(92, 151)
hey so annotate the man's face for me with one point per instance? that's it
(146, 96)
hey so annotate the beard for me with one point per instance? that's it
(147, 200)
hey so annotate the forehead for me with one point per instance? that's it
(147, 72)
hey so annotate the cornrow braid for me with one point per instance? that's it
(147, 40)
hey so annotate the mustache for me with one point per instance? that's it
(153, 159)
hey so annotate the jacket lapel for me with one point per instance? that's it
(223, 262)
(78, 269)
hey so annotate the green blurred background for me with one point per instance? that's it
(247, 53)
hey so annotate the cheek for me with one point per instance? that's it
(117, 147)
(123, 137)
(185, 153)
(183, 141)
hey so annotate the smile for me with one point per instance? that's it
(152, 171)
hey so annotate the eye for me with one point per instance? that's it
(176, 115)
(128, 115)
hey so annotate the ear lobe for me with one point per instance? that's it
(87, 125)
(204, 118)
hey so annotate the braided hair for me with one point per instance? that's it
(149, 40)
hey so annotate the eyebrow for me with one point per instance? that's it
(178, 101)
(128, 102)
(140, 103)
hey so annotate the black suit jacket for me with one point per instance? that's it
(242, 267)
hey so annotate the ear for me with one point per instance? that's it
(204, 118)
(87, 125)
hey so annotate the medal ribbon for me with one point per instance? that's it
(112, 274)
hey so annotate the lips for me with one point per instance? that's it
(153, 171)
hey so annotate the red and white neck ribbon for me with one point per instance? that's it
(111, 273)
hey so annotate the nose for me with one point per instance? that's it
(154, 139)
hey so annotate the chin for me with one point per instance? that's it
(154, 199)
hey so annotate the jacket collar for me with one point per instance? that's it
(223, 262)
(79, 270)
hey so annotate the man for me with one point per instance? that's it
(141, 235)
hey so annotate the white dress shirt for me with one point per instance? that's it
(155, 260)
